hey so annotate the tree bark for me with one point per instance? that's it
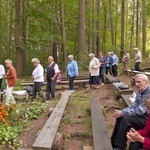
(18, 39)
(81, 34)
(137, 23)
(132, 25)
(111, 23)
(122, 27)
(63, 34)
(143, 27)
(93, 26)
(25, 31)
(98, 27)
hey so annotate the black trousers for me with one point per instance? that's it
(123, 125)
(108, 69)
(37, 89)
(136, 146)
(71, 83)
(137, 66)
(114, 70)
(1, 83)
(50, 88)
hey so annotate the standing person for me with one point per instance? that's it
(148, 59)
(2, 73)
(38, 77)
(138, 59)
(134, 116)
(102, 61)
(109, 62)
(125, 61)
(115, 64)
(11, 80)
(94, 71)
(72, 71)
(51, 76)
(140, 140)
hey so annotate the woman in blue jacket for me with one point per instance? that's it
(72, 71)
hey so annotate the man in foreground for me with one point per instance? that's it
(134, 116)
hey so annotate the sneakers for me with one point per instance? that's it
(102, 84)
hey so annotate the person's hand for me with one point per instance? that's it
(53, 78)
(117, 113)
(134, 136)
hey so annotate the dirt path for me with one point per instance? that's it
(76, 124)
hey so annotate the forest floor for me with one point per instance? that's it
(76, 124)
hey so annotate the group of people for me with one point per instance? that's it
(133, 123)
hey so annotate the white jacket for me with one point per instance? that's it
(94, 67)
(2, 71)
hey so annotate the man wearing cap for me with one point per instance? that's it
(138, 59)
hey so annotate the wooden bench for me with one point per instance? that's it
(126, 97)
(101, 139)
(45, 139)
(110, 78)
(77, 82)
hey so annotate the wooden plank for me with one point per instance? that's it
(62, 82)
(88, 148)
(46, 137)
(126, 97)
(110, 78)
(100, 133)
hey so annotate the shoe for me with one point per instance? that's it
(98, 87)
(102, 84)
(116, 148)
(72, 91)
(47, 98)
(52, 98)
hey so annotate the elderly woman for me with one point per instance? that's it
(141, 139)
(38, 76)
(94, 71)
(2, 73)
(72, 71)
(11, 80)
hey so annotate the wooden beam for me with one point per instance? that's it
(100, 133)
(45, 139)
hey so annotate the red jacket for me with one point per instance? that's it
(145, 132)
(11, 77)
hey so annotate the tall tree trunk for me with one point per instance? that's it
(104, 24)
(18, 39)
(1, 32)
(111, 23)
(81, 34)
(98, 27)
(63, 33)
(132, 25)
(143, 27)
(8, 28)
(137, 23)
(93, 26)
(116, 23)
(25, 31)
(122, 27)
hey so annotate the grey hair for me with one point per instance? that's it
(91, 54)
(147, 99)
(136, 48)
(8, 61)
(51, 57)
(142, 76)
(35, 60)
(70, 56)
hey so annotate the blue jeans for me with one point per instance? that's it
(101, 73)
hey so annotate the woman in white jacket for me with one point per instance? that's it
(2, 73)
(94, 71)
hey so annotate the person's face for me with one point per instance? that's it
(125, 52)
(7, 64)
(91, 57)
(100, 54)
(140, 84)
(69, 58)
(50, 60)
(35, 64)
(136, 50)
(147, 104)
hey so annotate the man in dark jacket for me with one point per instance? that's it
(134, 116)
(51, 76)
